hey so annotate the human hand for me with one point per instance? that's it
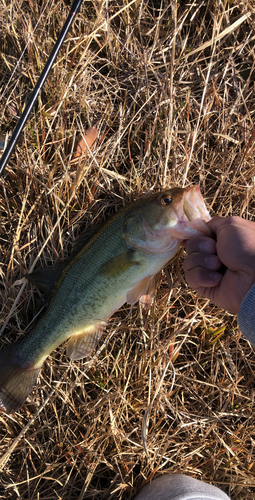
(234, 248)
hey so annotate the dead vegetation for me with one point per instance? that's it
(170, 88)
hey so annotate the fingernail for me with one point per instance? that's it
(215, 276)
(205, 246)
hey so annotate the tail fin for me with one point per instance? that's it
(16, 383)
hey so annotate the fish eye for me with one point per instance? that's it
(165, 200)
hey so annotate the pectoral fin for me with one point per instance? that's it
(45, 277)
(119, 264)
(81, 346)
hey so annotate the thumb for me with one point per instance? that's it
(216, 223)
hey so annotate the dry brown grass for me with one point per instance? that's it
(173, 100)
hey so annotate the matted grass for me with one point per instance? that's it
(170, 87)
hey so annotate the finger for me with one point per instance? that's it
(197, 259)
(217, 223)
(201, 277)
(201, 244)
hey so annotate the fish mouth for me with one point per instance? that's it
(192, 214)
(188, 218)
(194, 206)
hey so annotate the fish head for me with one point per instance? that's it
(167, 218)
(178, 209)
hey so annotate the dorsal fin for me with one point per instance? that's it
(83, 238)
(45, 277)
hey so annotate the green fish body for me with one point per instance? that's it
(115, 265)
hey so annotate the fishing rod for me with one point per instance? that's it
(21, 123)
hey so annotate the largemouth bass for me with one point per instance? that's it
(115, 265)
